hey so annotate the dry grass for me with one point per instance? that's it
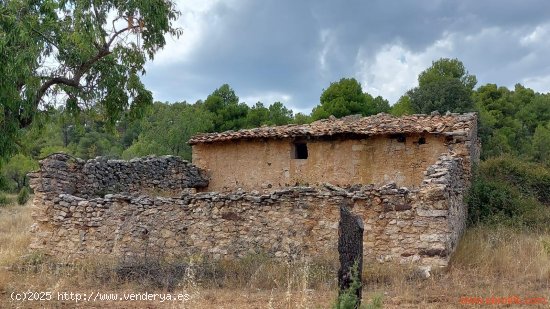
(15, 222)
(497, 262)
(489, 262)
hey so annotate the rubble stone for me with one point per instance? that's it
(162, 205)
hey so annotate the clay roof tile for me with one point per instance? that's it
(354, 124)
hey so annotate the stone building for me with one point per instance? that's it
(273, 190)
(348, 151)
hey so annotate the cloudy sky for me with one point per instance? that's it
(289, 50)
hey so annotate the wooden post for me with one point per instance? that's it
(350, 249)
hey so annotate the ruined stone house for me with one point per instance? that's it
(353, 150)
(273, 190)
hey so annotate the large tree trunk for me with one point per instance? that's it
(350, 248)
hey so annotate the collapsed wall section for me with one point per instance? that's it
(421, 226)
(61, 173)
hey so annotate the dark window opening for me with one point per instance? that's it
(421, 141)
(399, 137)
(300, 151)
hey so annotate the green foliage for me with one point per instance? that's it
(257, 116)
(441, 95)
(93, 144)
(445, 86)
(376, 105)
(91, 53)
(167, 128)
(301, 118)
(531, 179)
(541, 144)
(5, 184)
(23, 196)
(17, 168)
(4, 200)
(513, 122)
(277, 114)
(48, 150)
(346, 97)
(348, 300)
(402, 107)
(228, 113)
(510, 192)
(446, 68)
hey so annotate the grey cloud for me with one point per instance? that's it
(274, 46)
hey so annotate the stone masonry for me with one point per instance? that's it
(158, 210)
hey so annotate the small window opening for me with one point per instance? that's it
(399, 137)
(422, 140)
(300, 151)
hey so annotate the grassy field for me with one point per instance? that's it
(490, 262)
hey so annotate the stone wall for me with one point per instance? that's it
(61, 173)
(74, 218)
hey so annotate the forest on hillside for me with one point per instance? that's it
(513, 179)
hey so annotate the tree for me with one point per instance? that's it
(76, 53)
(446, 68)
(279, 114)
(94, 143)
(17, 168)
(541, 144)
(376, 105)
(257, 116)
(509, 120)
(301, 118)
(229, 114)
(346, 97)
(445, 86)
(402, 107)
(341, 98)
(168, 127)
(441, 95)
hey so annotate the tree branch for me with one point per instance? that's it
(82, 69)
(46, 38)
(117, 33)
(100, 28)
(53, 81)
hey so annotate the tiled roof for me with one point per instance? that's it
(448, 124)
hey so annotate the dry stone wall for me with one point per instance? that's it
(61, 173)
(74, 217)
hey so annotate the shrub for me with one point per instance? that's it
(23, 196)
(5, 184)
(4, 200)
(509, 192)
(348, 300)
(531, 179)
(153, 272)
